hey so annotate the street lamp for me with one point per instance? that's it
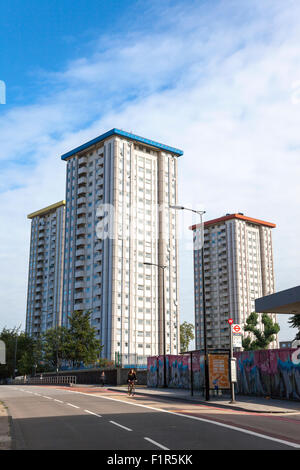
(164, 317)
(200, 213)
(15, 352)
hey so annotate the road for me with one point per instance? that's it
(47, 417)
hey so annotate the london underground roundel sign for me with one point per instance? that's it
(236, 329)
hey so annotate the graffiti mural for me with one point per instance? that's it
(272, 373)
(268, 373)
(152, 371)
(178, 371)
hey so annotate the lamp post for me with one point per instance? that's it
(15, 352)
(164, 317)
(200, 213)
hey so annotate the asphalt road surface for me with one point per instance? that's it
(59, 418)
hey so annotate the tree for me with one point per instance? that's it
(21, 352)
(294, 321)
(186, 335)
(82, 345)
(55, 346)
(262, 338)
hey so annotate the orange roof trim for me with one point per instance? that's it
(234, 216)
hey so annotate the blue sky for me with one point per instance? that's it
(219, 79)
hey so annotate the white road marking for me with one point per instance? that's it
(208, 421)
(156, 443)
(48, 398)
(58, 401)
(91, 413)
(120, 426)
(74, 406)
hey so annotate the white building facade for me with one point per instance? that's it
(238, 268)
(44, 296)
(118, 190)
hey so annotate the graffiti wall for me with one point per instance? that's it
(262, 373)
(178, 371)
(268, 373)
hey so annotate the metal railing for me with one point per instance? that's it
(56, 380)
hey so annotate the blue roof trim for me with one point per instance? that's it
(124, 134)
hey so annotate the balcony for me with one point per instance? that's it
(81, 200)
(98, 269)
(81, 190)
(79, 273)
(80, 252)
(82, 180)
(81, 210)
(79, 305)
(79, 285)
(82, 160)
(81, 218)
(79, 263)
(79, 295)
(82, 171)
(80, 242)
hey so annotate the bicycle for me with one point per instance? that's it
(131, 387)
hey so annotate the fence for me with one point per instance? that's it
(130, 361)
(270, 373)
(186, 371)
(59, 379)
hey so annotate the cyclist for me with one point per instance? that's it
(131, 380)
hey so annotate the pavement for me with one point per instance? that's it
(5, 439)
(242, 403)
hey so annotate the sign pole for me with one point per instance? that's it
(232, 364)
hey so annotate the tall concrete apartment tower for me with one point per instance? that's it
(238, 268)
(44, 297)
(104, 272)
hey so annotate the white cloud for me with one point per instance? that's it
(214, 82)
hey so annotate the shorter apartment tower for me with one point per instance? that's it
(238, 268)
(44, 298)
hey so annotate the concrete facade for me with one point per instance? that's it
(238, 268)
(44, 296)
(104, 269)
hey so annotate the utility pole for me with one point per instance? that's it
(200, 213)
(232, 369)
(164, 318)
(15, 353)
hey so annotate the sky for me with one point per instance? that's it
(217, 79)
